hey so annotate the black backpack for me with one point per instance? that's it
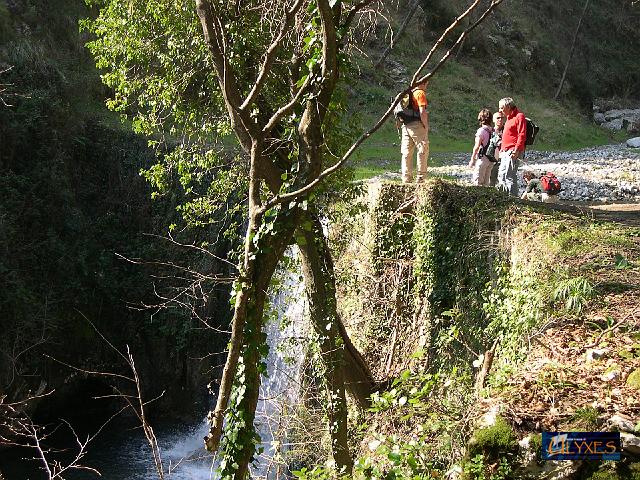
(486, 149)
(404, 111)
(532, 131)
(492, 145)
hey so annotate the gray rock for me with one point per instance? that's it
(611, 376)
(630, 443)
(615, 124)
(599, 118)
(621, 423)
(634, 142)
(556, 470)
(626, 113)
(595, 354)
(608, 171)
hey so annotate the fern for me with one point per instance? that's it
(573, 293)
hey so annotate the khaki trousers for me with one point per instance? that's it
(482, 172)
(414, 137)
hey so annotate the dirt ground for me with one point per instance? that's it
(626, 213)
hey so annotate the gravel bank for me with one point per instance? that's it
(609, 173)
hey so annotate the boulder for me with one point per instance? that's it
(599, 118)
(615, 124)
(627, 114)
(634, 142)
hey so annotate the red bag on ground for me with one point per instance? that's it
(550, 183)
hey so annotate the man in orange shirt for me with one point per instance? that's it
(514, 136)
(415, 136)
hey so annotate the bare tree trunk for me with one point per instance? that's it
(358, 378)
(317, 268)
(399, 33)
(573, 46)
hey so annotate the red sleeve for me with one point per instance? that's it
(521, 127)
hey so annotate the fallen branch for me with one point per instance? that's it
(610, 329)
(486, 366)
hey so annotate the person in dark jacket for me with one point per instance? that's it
(496, 140)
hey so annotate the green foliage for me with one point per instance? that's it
(493, 441)
(453, 262)
(573, 293)
(535, 445)
(393, 230)
(585, 419)
(490, 452)
(477, 469)
(430, 410)
(73, 201)
(633, 380)
(584, 237)
(397, 460)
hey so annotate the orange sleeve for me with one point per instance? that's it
(421, 98)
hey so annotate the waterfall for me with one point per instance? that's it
(279, 389)
(287, 332)
(124, 453)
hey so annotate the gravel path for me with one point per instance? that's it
(607, 174)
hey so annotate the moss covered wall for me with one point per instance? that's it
(433, 254)
(435, 276)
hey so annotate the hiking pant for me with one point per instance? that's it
(541, 197)
(414, 137)
(493, 178)
(482, 172)
(508, 174)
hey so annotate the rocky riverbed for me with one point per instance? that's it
(604, 174)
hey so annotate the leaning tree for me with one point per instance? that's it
(268, 72)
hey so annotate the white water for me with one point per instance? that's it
(279, 390)
(278, 393)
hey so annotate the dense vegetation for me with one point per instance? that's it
(73, 197)
(74, 206)
(464, 301)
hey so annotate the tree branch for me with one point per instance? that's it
(353, 12)
(405, 22)
(444, 35)
(214, 38)
(573, 46)
(286, 109)
(328, 171)
(270, 55)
